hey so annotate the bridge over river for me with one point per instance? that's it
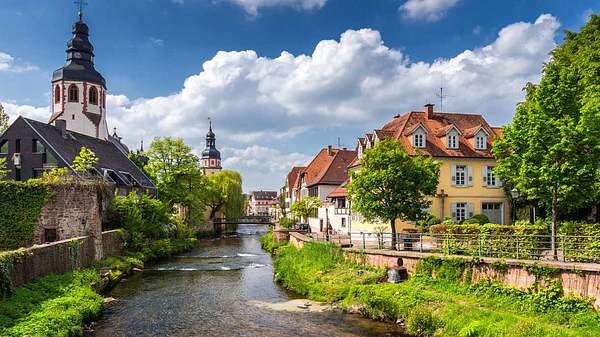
(223, 288)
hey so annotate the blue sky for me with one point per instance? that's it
(347, 66)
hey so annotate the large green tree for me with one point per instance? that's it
(392, 185)
(551, 150)
(175, 170)
(223, 193)
(3, 127)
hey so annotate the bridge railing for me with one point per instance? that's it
(570, 248)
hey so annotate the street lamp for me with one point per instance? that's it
(514, 193)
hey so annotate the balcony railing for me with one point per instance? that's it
(341, 211)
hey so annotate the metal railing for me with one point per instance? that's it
(569, 248)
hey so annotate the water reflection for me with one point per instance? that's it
(210, 292)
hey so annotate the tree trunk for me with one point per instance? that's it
(553, 229)
(394, 239)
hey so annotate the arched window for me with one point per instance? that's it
(93, 96)
(57, 94)
(73, 93)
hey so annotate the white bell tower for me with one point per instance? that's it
(78, 90)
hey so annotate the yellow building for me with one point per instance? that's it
(462, 143)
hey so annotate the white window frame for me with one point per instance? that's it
(452, 140)
(461, 171)
(460, 207)
(419, 139)
(480, 142)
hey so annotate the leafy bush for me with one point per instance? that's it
(427, 221)
(20, 207)
(145, 215)
(480, 219)
(266, 242)
(581, 249)
(287, 222)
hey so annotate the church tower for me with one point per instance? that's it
(211, 157)
(78, 90)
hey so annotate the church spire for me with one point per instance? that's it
(211, 157)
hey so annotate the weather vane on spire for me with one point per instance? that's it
(209, 123)
(81, 4)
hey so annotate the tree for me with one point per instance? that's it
(393, 185)
(551, 150)
(175, 170)
(3, 119)
(223, 193)
(84, 162)
(304, 207)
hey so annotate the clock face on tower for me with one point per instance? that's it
(77, 55)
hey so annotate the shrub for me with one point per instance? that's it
(427, 221)
(422, 322)
(480, 219)
(287, 222)
(581, 249)
(145, 215)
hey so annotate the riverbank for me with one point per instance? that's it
(60, 305)
(445, 305)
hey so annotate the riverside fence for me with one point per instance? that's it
(570, 248)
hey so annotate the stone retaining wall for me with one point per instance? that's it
(64, 256)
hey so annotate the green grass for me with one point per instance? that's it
(433, 307)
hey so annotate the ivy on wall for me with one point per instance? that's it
(20, 207)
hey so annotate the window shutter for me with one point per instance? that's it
(484, 181)
(470, 175)
(470, 209)
(453, 207)
(453, 177)
(498, 182)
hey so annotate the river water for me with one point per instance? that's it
(220, 289)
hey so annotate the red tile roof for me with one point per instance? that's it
(292, 177)
(439, 123)
(339, 192)
(329, 169)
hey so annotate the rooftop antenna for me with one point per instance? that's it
(209, 123)
(441, 95)
(81, 4)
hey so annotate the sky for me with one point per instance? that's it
(282, 79)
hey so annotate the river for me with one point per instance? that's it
(223, 288)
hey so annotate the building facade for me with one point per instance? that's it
(261, 203)
(462, 144)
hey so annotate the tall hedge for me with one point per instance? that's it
(20, 207)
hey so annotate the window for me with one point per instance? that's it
(37, 146)
(73, 93)
(419, 140)
(18, 146)
(93, 96)
(460, 175)
(460, 212)
(57, 94)
(343, 222)
(50, 234)
(490, 177)
(4, 147)
(313, 191)
(73, 116)
(480, 142)
(452, 141)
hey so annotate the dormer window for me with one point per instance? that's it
(452, 141)
(481, 141)
(419, 139)
(73, 93)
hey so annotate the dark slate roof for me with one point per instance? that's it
(264, 195)
(81, 67)
(109, 156)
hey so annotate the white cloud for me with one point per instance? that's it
(252, 6)
(14, 110)
(261, 105)
(430, 10)
(8, 64)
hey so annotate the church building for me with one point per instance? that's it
(78, 119)
(211, 157)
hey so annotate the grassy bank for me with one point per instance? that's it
(59, 305)
(266, 242)
(441, 306)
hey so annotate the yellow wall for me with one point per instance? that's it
(476, 194)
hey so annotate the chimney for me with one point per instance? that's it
(61, 124)
(428, 111)
(330, 150)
